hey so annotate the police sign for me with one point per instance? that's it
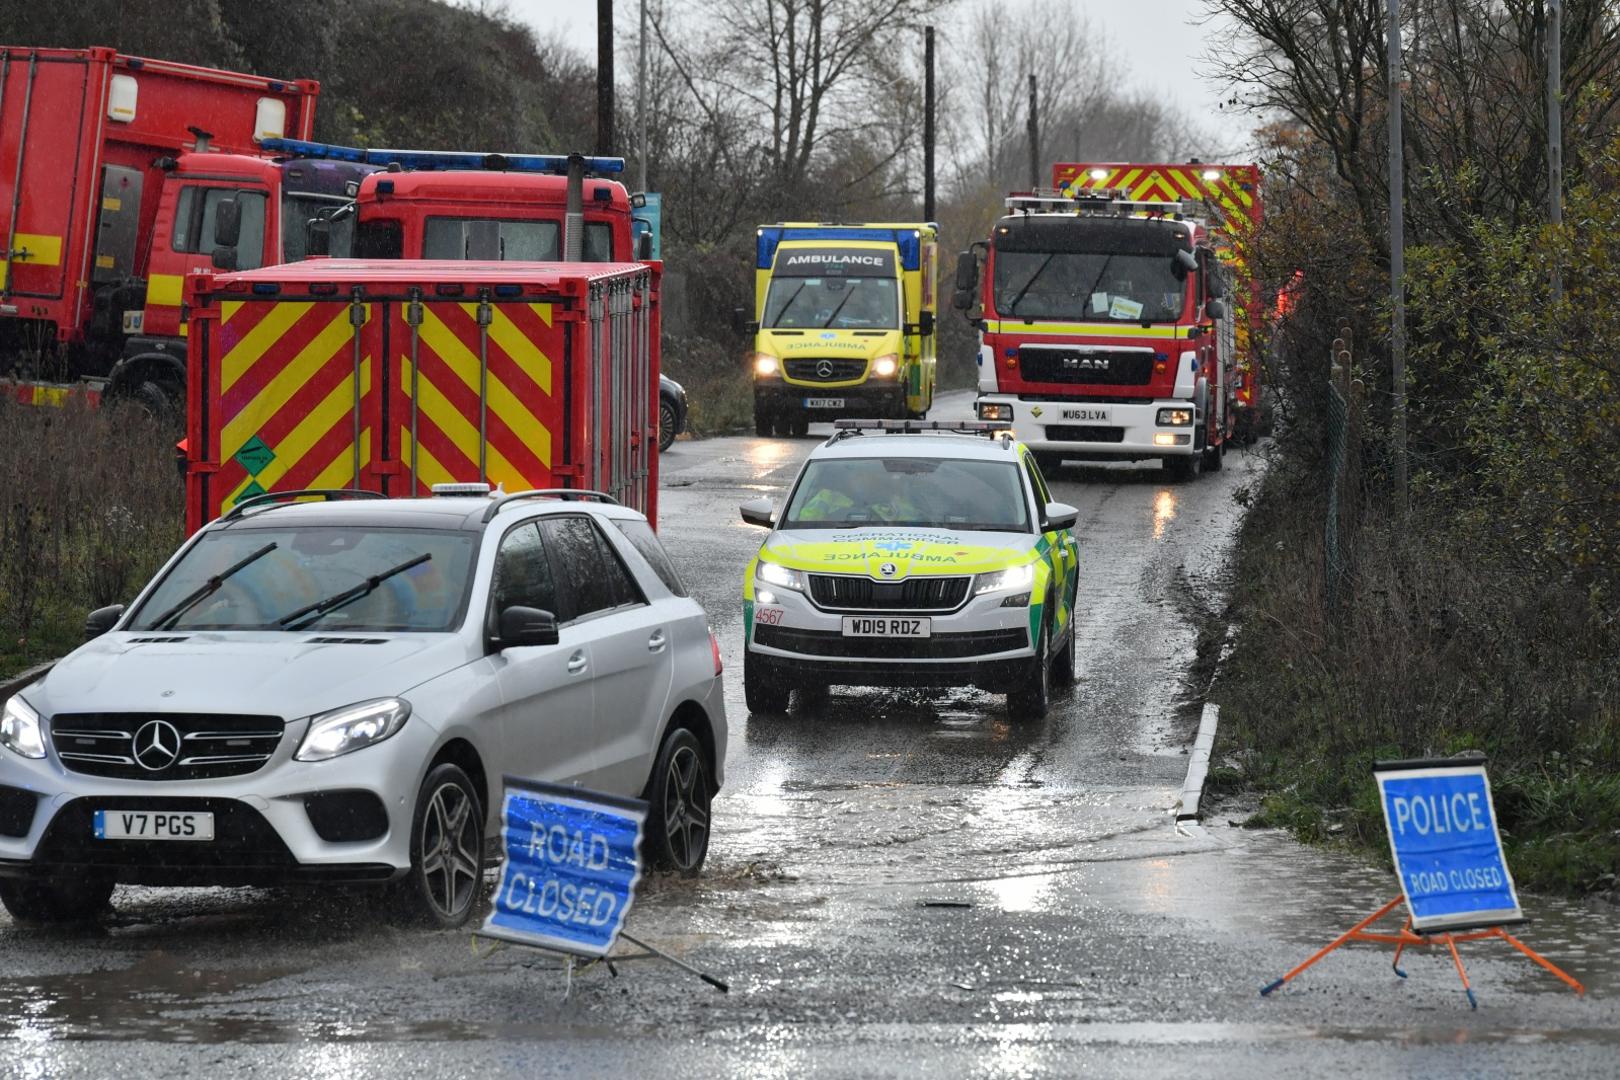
(572, 863)
(1443, 835)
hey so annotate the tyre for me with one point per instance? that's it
(666, 426)
(678, 794)
(1214, 458)
(1063, 670)
(762, 421)
(57, 900)
(763, 690)
(799, 425)
(447, 845)
(1185, 468)
(1031, 701)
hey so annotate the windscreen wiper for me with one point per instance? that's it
(1012, 307)
(836, 310)
(202, 592)
(348, 596)
(784, 308)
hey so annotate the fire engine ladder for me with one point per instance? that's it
(618, 442)
(22, 152)
(485, 314)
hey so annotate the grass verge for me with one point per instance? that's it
(1441, 645)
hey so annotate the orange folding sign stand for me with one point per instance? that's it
(1448, 854)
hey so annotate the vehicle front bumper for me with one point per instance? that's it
(1127, 432)
(265, 830)
(869, 398)
(980, 644)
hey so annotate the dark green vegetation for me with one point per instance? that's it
(92, 507)
(1484, 618)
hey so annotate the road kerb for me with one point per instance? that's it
(1198, 766)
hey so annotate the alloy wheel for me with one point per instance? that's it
(449, 854)
(686, 808)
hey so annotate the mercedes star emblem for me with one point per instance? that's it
(157, 745)
(888, 569)
(825, 369)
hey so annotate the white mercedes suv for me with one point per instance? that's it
(332, 690)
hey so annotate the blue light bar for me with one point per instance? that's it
(440, 159)
(769, 236)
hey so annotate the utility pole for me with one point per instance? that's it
(1555, 127)
(1397, 258)
(1034, 140)
(928, 123)
(641, 103)
(604, 78)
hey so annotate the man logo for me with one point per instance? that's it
(157, 745)
(888, 569)
(824, 370)
(1085, 363)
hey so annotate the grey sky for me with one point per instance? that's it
(1158, 54)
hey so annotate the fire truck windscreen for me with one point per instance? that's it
(1090, 269)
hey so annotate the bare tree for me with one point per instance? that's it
(803, 73)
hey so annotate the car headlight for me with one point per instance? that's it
(766, 364)
(342, 731)
(780, 576)
(1175, 417)
(20, 729)
(886, 365)
(1014, 577)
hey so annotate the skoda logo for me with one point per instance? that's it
(888, 569)
(157, 745)
(825, 369)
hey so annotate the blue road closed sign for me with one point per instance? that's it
(572, 864)
(1443, 835)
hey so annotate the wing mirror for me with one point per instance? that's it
(1059, 517)
(1215, 308)
(227, 223)
(101, 620)
(761, 512)
(524, 626)
(318, 237)
(1184, 263)
(741, 323)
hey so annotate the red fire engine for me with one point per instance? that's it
(1115, 314)
(433, 204)
(395, 376)
(118, 176)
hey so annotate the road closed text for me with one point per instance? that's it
(556, 852)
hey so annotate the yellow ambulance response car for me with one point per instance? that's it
(843, 323)
(913, 553)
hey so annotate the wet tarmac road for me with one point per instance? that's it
(901, 884)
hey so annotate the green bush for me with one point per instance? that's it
(90, 506)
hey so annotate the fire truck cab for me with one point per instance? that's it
(1108, 327)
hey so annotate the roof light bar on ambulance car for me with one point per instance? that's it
(847, 428)
(441, 159)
